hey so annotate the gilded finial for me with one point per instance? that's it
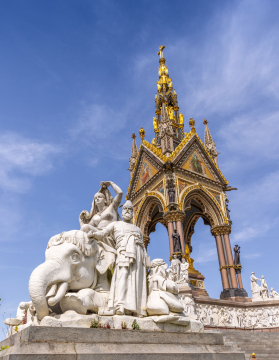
(155, 126)
(153, 141)
(205, 121)
(181, 119)
(142, 133)
(254, 356)
(133, 136)
(192, 125)
(161, 51)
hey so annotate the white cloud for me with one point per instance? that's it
(246, 234)
(22, 158)
(205, 255)
(97, 123)
(252, 256)
(102, 129)
(234, 65)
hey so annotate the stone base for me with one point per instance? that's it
(235, 295)
(164, 322)
(59, 343)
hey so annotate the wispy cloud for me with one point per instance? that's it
(101, 128)
(22, 158)
(252, 256)
(235, 65)
(205, 255)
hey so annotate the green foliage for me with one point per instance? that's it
(135, 325)
(95, 324)
(4, 347)
(123, 325)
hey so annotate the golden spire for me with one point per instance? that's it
(161, 51)
(164, 84)
(166, 105)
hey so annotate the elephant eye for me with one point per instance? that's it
(75, 256)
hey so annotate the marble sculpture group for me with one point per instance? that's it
(102, 268)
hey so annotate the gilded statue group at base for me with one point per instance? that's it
(103, 268)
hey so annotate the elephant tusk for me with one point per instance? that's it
(63, 287)
(52, 291)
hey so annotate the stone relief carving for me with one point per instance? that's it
(215, 315)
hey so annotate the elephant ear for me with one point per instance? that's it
(106, 257)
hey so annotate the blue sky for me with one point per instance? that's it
(78, 77)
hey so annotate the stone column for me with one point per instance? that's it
(180, 232)
(170, 231)
(239, 280)
(222, 262)
(230, 257)
(175, 215)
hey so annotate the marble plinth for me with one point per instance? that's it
(69, 343)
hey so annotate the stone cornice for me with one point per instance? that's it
(221, 230)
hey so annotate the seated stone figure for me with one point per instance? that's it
(163, 292)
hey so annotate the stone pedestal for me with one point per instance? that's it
(59, 343)
(235, 295)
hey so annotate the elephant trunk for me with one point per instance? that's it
(44, 275)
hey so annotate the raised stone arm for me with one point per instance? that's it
(119, 193)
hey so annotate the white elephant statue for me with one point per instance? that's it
(74, 274)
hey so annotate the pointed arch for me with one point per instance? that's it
(150, 212)
(209, 205)
(196, 201)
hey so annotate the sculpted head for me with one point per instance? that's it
(100, 199)
(128, 211)
(158, 267)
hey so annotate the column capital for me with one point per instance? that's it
(174, 215)
(221, 230)
(146, 240)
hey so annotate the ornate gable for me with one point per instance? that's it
(146, 167)
(194, 157)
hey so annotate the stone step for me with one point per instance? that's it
(50, 343)
(61, 334)
(264, 344)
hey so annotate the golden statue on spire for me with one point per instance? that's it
(161, 51)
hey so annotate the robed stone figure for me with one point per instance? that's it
(128, 287)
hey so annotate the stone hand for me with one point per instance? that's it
(105, 184)
(90, 234)
(83, 214)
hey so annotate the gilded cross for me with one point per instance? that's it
(161, 50)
